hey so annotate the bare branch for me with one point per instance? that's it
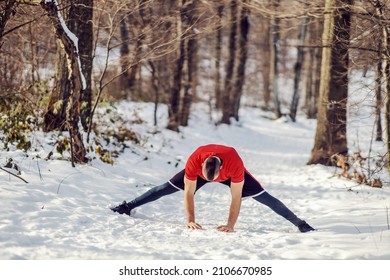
(5, 170)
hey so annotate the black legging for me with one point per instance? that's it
(264, 198)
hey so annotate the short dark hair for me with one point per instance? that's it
(212, 167)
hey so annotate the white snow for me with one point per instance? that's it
(63, 212)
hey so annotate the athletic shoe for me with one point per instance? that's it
(305, 227)
(122, 208)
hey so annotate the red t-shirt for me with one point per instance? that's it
(232, 165)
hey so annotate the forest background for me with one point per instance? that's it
(60, 60)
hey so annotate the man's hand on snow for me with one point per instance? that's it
(225, 228)
(193, 225)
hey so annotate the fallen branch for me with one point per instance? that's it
(5, 170)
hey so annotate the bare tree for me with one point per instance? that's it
(241, 58)
(55, 115)
(77, 79)
(81, 24)
(7, 8)
(124, 54)
(137, 17)
(230, 65)
(331, 133)
(218, 56)
(79, 21)
(298, 69)
(274, 59)
(385, 59)
(378, 93)
(192, 60)
(174, 104)
(266, 64)
(313, 62)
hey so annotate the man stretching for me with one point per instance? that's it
(215, 163)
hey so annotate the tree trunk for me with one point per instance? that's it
(192, 50)
(130, 79)
(310, 93)
(274, 60)
(55, 115)
(164, 61)
(5, 14)
(331, 133)
(242, 55)
(218, 58)
(266, 66)
(226, 98)
(313, 82)
(155, 86)
(132, 83)
(124, 56)
(313, 66)
(385, 51)
(81, 24)
(77, 79)
(386, 71)
(378, 93)
(174, 103)
(79, 21)
(298, 70)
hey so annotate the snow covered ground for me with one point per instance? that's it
(63, 212)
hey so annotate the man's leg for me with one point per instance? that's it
(278, 207)
(149, 196)
(153, 194)
(175, 184)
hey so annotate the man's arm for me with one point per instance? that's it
(236, 192)
(189, 205)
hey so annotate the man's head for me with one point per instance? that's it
(211, 168)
